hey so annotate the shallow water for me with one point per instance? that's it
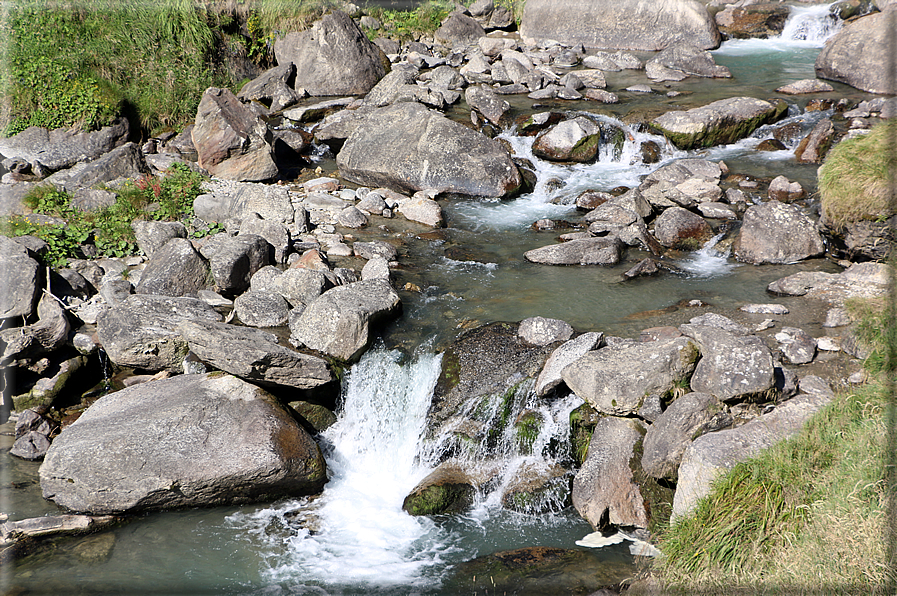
(355, 538)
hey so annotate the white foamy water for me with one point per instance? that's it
(807, 27)
(356, 535)
(709, 261)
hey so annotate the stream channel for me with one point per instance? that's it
(355, 538)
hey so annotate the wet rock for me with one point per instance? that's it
(720, 122)
(615, 380)
(681, 229)
(333, 57)
(572, 140)
(760, 20)
(690, 59)
(660, 73)
(190, 440)
(816, 144)
(539, 331)
(565, 354)
(714, 210)
(253, 355)
(422, 209)
(50, 385)
(624, 25)
(141, 332)
(537, 488)
(601, 95)
(858, 55)
(590, 199)
(771, 145)
(732, 367)
(714, 453)
(796, 345)
(175, 269)
(588, 251)
(232, 142)
(450, 488)
(775, 232)
(446, 156)
(764, 309)
(682, 422)
(339, 321)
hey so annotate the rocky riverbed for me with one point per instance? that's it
(529, 210)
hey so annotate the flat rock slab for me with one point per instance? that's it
(860, 280)
(586, 251)
(717, 123)
(732, 366)
(254, 355)
(777, 233)
(190, 440)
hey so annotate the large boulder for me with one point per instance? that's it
(191, 440)
(141, 331)
(616, 380)
(584, 251)
(271, 202)
(571, 140)
(234, 259)
(754, 20)
(861, 54)
(733, 367)
(625, 25)
(713, 454)
(338, 322)
(175, 269)
(777, 233)
(717, 123)
(565, 354)
(333, 57)
(125, 161)
(21, 280)
(232, 142)
(53, 150)
(410, 148)
(253, 354)
(274, 88)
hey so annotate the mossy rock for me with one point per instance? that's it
(318, 417)
(582, 424)
(538, 490)
(657, 496)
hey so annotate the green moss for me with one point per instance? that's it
(725, 132)
(658, 499)
(582, 424)
(527, 428)
(440, 498)
(586, 148)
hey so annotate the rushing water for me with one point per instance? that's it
(355, 538)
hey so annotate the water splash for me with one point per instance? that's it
(709, 261)
(812, 24)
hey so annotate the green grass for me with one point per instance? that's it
(109, 229)
(808, 513)
(856, 181)
(405, 25)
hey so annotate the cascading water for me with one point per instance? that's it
(812, 24)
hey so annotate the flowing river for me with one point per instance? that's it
(355, 538)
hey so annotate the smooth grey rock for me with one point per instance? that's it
(422, 209)
(141, 332)
(572, 140)
(339, 322)
(691, 60)
(805, 86)
(459, 30)
(63, 148)
(587, 251)
(152, 235)
(261, 309)
(615, 380)
(253, 355)
(175, 269)
(125, 161)
(717, 123)
(565, 354)
(409, 148)
(387, 89)
(797, 345)
(714, 453)
(369, 250)
(351, 217)
(539, 331)
(627, 25)
(376, 268)
(732, 367)
(333, 57)
(31, 446)
(681, 229)
(604, 489)
(116, 290)
(764, 309)
(858, 54)
(712, 319)
(191, 440)
(777, 233)
(271, 202)
(234, 259)
(682, 422)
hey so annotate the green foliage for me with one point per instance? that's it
(109, 229)
(856, 181)
(877, 328)
(411, 24)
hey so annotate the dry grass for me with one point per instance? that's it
(857, 180)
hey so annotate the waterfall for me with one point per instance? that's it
(709, 260)
(812, 24)
(356, 535)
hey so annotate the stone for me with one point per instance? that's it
(125, 161)
(572, 140)
(152, 235)
(232, 142)
(717, 123)
(805, 86)
(274, 88)
(778, 233)
(22, 275)
(261, 309)
(761, 20)
(732, 367)
(339, 322)
(459, 30)
(275, 234)
(369, 250)
(796, 345)
(31, 446)
(270, 202)
(687, 418)
(659, 73)
(690, 59)
(858, 55)
(538, 487)
(52, 383)
(604, 490)
(681, 229)
(615, 380)
(141, 332)
(351, 217)
(785, 191)
(712, 454)
(49, 333)
(299, 286)
(539, 331)
(254, 355)
(234, 259)
(815, 145)
(388, 88)
(450, 488)
(186, 441)
(627, 25)
(487, 103)
(333, 57)
(174, 269)
(587, 251)
(764, 309)
(565, 354)
(423, 210)
(376, 268)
